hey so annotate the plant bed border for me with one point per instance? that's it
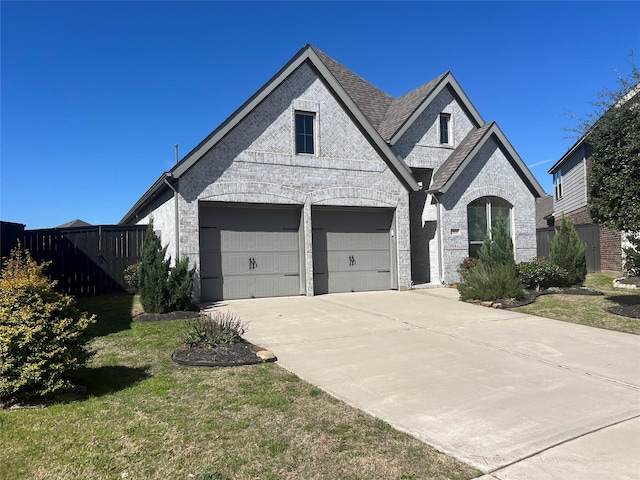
(228, 355)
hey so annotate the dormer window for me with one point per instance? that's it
(445, 129)
(304, 133)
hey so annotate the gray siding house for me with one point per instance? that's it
(322, 183)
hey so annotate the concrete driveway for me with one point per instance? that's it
(517, 396)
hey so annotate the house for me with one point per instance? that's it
(321, 183)
(570, 186)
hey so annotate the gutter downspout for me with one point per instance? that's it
(177, 218)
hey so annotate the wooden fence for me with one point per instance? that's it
(87, 260)
(588, 233)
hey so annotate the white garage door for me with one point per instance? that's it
(249, 251)
(351, 249)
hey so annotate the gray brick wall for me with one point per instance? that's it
(255, 163)
(489, 174)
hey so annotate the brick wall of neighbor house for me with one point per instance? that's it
(610, 250)
(254, 163)
(490, 174)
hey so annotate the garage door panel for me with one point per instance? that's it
(358, 262)
(351, 249)
(253, 250)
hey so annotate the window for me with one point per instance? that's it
(482, 216)
(445, 127)
(304, 133)
(557, 184)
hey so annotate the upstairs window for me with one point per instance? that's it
(557, 184)
(445, 127)
(304, 133)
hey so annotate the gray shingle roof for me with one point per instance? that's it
(458, 156)
(385, 113)
(371, 101)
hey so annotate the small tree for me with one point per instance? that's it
(568, 252)
(154, 271)
(499, 249)
(42, 333)
(163, 289)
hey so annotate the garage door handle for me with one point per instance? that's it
(352, 261)
(252, 263)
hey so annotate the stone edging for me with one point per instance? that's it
(262, 356)
(618, 284)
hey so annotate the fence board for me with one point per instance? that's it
(87, 260)
(588, 233)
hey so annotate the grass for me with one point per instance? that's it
(589, 310)
(148, 418)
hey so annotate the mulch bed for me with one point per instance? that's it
(630, 311)
(243, 353)
(531, 295)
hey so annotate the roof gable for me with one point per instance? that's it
(453, 167)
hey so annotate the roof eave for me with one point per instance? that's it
(158, 186)
(534, 186)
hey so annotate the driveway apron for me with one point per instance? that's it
(514, 395)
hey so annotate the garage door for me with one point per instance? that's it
(351, 250)
(249, 252)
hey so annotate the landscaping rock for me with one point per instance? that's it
(266, 355)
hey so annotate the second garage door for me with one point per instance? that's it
(249, 251)
(351, 249)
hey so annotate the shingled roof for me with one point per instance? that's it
(385, 113)
(457, 158)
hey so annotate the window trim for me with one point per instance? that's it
(449, 139)
(313, 135)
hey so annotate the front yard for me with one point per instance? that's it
(147, 418)
(589, 310)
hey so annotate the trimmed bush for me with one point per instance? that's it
(132, 276)
(491, 282)
(568, 252)
(204, 331)
(538, 273)
(42, 333)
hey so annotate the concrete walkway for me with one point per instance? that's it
(517, 396)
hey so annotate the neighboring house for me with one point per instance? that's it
(570, 198)
(321, 183)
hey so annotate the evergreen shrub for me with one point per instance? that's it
(568, 252)
(491, 282)
(163, 289)
(42, 334)
(632, 257)
(538, 273)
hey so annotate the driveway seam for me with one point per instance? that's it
(436, 329)
(562, 442)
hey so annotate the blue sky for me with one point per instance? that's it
(94, 95)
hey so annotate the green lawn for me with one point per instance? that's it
(589, 310)
(148, 418)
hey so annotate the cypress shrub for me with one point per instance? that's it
(499, 249)
(180, 285)
(568, 252)
(154, 271)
